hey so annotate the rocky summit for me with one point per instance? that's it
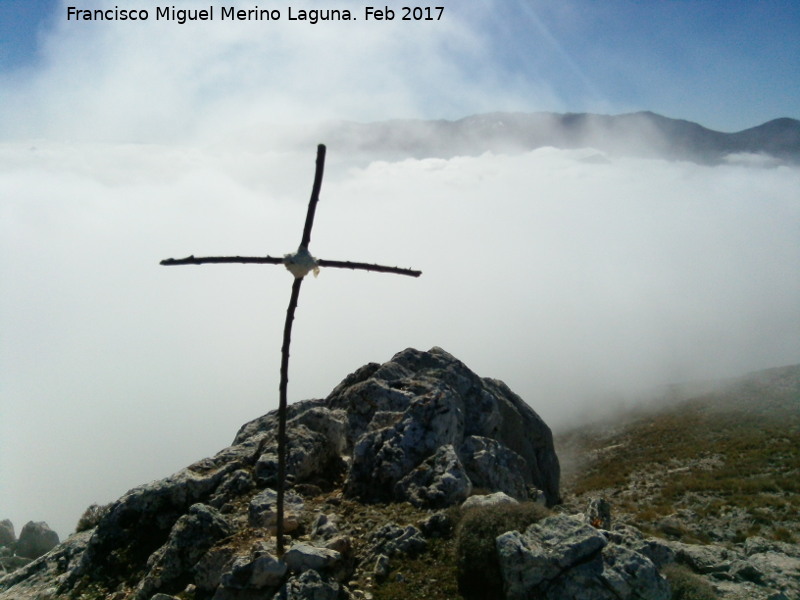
(417, 478)
(421, 430)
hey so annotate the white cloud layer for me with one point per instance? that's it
(579, 283)
(158, 80)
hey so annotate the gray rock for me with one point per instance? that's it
(563, 558)
(324, 527)
(488, 500)
(10, 562)
(211, 567)
(263, 508)
(237, 578)
(309, 455)
(401, 430)
(760, 545)
(236, 484)
(400, 413)
(546, 549)
(382, 458)
(316, 440)
(310, 585)
(268, 423)
(657, 550)
(598, 513)
(259, 572)
(41, 578)
(774, 570)
(330, 423)
(438, 482)
(632, 575)
(267, 572)
(36, 539)
(492, 466)
(703, 559)
(7, 535)
(391, 540)
(193, 534)
(302, 557)
(139, 523)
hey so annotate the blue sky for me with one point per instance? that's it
(22, 23)
(726, 65)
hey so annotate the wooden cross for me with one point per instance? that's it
(299, 264)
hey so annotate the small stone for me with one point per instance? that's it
(488, 500)
(302, 557)
(598, 513)
(267, 571)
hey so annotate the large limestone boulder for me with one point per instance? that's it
(407, 410)
(421, 427)
(564, 558)
(36, 539)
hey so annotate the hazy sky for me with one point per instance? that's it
(578, 282)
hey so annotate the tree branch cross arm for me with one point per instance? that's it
(302, 254)
(299, 263)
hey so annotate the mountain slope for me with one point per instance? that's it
(637, 134)
(713, 479)
(715, 468)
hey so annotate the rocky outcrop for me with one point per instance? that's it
(8, 539)
(760, 568)
(170, 567)
(563, 558)
(421, 428)
(39, 579)
(421, 433)
(387, 420)
(36, 539)
(405, 411)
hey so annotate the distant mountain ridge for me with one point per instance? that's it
(634, 134)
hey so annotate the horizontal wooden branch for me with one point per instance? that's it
(346, 264)
(271, 260)
(192, 260)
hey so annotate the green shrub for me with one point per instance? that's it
(479, 576)
(92, 516)
(686, 585)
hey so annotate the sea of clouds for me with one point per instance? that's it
(579, 283)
